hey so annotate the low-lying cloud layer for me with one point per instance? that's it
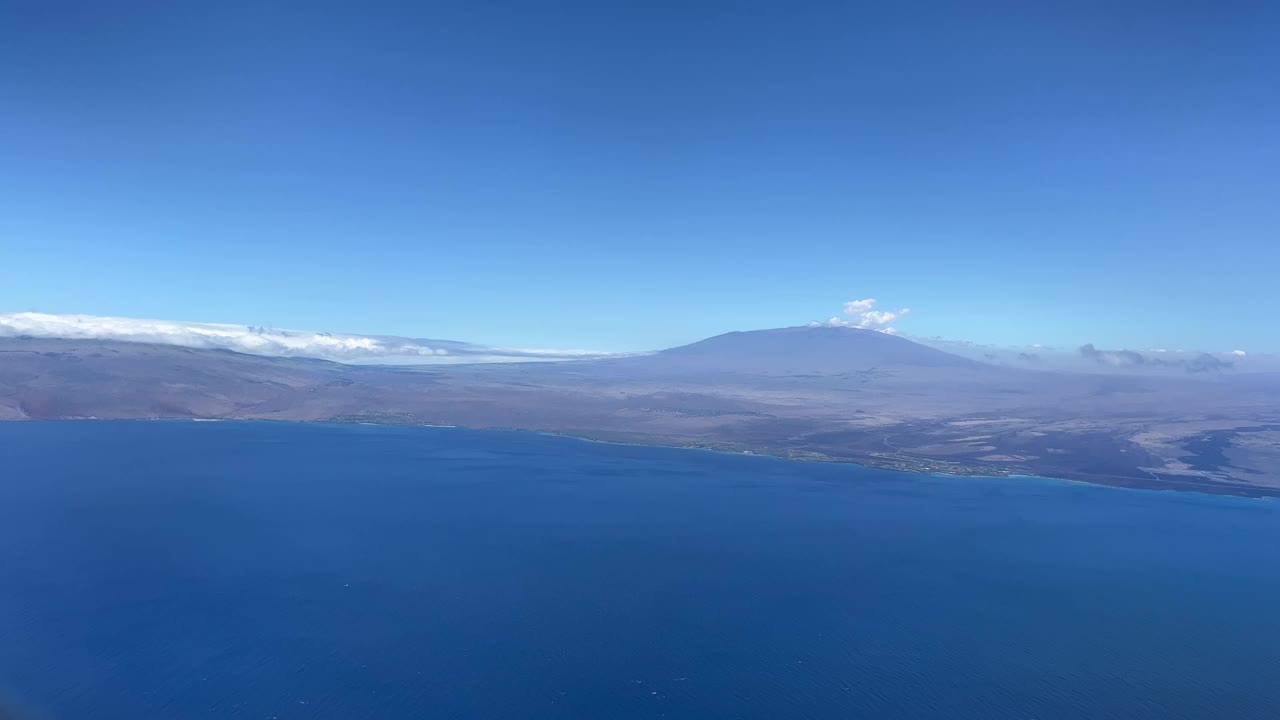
(1090, 358)
(862, 314)
(1201, 363)
(272, 342)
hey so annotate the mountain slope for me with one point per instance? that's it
(42, 378)
(810, 349)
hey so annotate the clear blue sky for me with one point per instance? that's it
(634, 175)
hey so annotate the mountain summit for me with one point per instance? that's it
(808, 349)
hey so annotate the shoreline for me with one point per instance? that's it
(1264, 493)
(1251, 492)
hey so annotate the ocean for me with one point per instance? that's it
(179, 570)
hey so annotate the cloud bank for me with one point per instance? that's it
(272, 342)
(862, 314)
(1201, 363)
(1091, 358)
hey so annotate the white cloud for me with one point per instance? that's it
(266, 341)
(862, 314)
(1239, 353)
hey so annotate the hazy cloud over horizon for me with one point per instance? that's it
(274, 342)
(1091, 358)
(1201, 363)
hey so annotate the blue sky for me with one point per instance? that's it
(635, 175)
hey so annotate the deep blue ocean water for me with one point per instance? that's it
(156, 570)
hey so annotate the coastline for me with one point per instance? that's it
(1251, 492)
(1115, 483)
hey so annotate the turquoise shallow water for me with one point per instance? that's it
(263, 570)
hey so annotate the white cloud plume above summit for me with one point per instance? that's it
(272, 342)
(863, 314)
